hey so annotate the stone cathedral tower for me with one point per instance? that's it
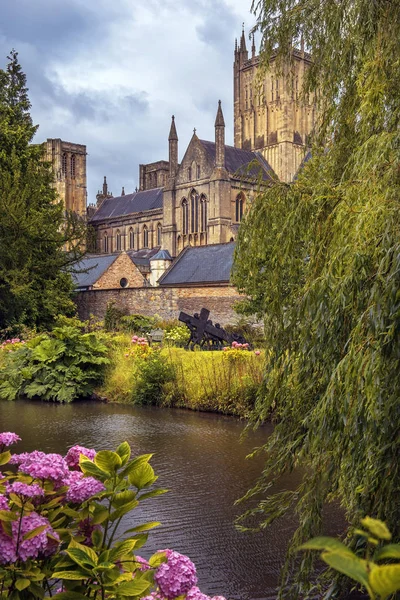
(269, 115)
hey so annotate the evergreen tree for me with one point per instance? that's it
(34, 281)
(319, 259)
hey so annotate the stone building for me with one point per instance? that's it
(269, 114)
(69, 166)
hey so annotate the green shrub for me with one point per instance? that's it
(136, 324)
(113, 316)
(153, 373)
(60, 366)
(177, 336)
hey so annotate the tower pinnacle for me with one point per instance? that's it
(173, 136)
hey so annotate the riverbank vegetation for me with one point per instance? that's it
(324, 259)
(68, 364)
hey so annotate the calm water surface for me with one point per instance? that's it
(199, 458)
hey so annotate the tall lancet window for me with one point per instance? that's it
(64, 164)
(145, 237)
(239, 208)
(185, 217)
(203, 213)
(73, 160)
(159, 229)
(194, 209)
(106, 242)
(131, 239)
(118, 240)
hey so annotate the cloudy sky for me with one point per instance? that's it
(110, 73)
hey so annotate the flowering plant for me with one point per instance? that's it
(59, 518)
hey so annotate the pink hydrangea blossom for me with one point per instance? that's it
(195, 594)
(25, 490)
(84, 488)
(3, 503)
(38, 544)
(144, 565)
(40, 465)
(73, 454)
(176, 576)
(7, 549)
(7, 438)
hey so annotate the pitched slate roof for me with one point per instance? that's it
(130, 203)
(238, 161)
(200, 264)
(162, 255)
(143, 257)
(95, 266)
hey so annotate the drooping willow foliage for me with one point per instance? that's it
(319, 260)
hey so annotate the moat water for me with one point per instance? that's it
(199, 457)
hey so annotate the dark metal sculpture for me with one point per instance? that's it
(206, 335)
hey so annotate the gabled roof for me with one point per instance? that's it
(162, 255)
(95, 266)
(238, 161)
(200, 264)
(130, 203)
(143, 257)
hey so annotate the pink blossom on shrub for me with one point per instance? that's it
(40, 465)
(7, 549)
(3, 503)
(7, 438)
(195, 594)
(257, 352)
(144, 565)
(176, 576)
(25, 490)
(84, 488)
(73, 454)
(31, 548)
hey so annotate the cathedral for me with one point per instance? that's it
(199, 200)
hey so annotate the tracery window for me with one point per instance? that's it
(118, 240)
(131, 239)
(73, 165)
(145, 237)
(239, 206)
(64, 164)
(106, 242)
(159, 231)
(194, 210)
(203, 213)
(185, 217)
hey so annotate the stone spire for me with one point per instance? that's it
(243, 41)
(105, 187)
(219, 138)
(173, 149)
(123, 191)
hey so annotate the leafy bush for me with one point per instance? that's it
(113, 316)
(380, 580)
(177, 336)
(59, 522)
(59, 366)
(153, 373)
(137, 324)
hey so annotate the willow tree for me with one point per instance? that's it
(319, 260)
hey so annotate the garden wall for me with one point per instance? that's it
(165, 302)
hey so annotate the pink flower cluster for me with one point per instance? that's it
(8, 344)
(24, 491)
(73, 454)
(12, 549)
(42, 466)
(139, 341)
(7, 438)
(82, 488)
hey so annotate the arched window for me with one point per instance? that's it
(131, 239)
(198, 171)
(239, 207)
(145, 237)
(159, 230)
(106, 242)
(73, 165)
(118, 240)
(194, 209)
(203, 213)
(64, 164)
(185, 217)
(190, 173)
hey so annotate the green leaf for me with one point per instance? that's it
(81, 554)
(89, 468)
(144, 527)
(328, 544)
(133, 588)
(122, 549)
(152, 494)
(100, 515)
(355, 568)
(5, 457)
(70, 575)
(388, 551)
(385, 579)
(124, 451)
(31, 534)
(97, 537)
(22, 584)
(123, 510)
(8, 515)
(157, 559)
(70, 596)
(123, 498)
(142, 476)
(144, 458)
(377, 528)
(107, 461)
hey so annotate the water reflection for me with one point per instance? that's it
(199, 458)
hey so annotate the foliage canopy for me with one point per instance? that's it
(319, 259)
(34, 228)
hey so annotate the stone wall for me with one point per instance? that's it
(165, 302)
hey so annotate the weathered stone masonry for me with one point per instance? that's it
(165, 302)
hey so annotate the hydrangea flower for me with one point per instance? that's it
(3, 503)
(83, 488)
(176, 576)
(39, 544)
(7, 438)
(73, 454)
(40, 465)
(144, 565)
(195, 594)
(7, 549)
(25, 490)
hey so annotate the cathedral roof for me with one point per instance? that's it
(200, 264)
(130, 203)
(93, 266)
(238, 161)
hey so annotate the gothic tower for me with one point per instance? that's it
(269, 114)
